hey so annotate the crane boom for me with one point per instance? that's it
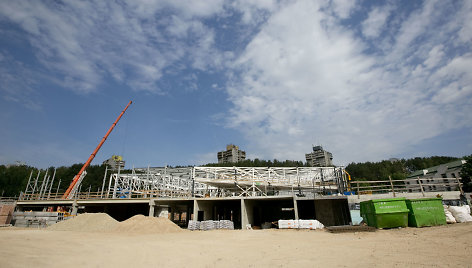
(81, 174)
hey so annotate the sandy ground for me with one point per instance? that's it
(444, 246)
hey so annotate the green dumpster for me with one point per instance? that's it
(385, 213)
(425, 212)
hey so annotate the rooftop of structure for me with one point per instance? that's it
(450, 165)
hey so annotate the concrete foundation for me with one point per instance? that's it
(243, 211)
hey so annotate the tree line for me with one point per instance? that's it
(14, 178)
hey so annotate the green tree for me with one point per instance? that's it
(466, 174)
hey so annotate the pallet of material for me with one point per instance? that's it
(36, 218)
(210, 225)
(6, 212)
(300, 224)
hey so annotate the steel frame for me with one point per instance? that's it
(223, 181)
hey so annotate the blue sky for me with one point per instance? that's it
(369, 80)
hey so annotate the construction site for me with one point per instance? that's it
(248, 197)
(158, 207)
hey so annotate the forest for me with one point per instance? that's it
(14, 178)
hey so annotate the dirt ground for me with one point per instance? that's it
(444, 246)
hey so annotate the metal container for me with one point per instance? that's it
(425, 212)
(385, 213)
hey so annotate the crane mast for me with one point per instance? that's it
(78, 178)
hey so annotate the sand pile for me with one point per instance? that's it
(102, 222)
(88, 222)
(147, 225)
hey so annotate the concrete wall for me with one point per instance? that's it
(204, 206)
(243, 211)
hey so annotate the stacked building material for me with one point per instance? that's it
(300, 224)
(210, 225)
(288, 224)
(36, 218)
(226, 224)
(310, 224)
(6, 212)
(193, 225)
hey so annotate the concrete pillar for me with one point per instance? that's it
(195, 209)
(75, 208)
(244, 216)
(295, 207)
(152, 205)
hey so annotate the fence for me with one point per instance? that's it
(406, 186)
(105, 195)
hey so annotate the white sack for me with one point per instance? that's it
(462, 213)
(449, 217)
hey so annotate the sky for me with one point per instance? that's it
(367, 80)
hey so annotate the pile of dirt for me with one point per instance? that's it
(147, 225)
(88, 222)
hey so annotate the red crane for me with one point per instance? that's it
(81, 173)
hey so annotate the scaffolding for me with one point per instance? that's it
(226, 181)
(157, 182)
(165, 182)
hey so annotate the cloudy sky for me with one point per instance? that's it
(368, 80)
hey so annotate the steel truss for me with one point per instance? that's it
(274, 180)
(225, 181)
(157, 182)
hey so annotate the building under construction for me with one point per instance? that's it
(246, 196)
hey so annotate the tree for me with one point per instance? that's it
(466, 174)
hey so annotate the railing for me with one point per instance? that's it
(117, 195)
(406, 186)
(359, 187)
(8, 199)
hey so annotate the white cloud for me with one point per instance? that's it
(375, 21)
(304, 76)
(85, 42)
(343, 8)
(254, 11)
(302, 82)
(435, 56)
